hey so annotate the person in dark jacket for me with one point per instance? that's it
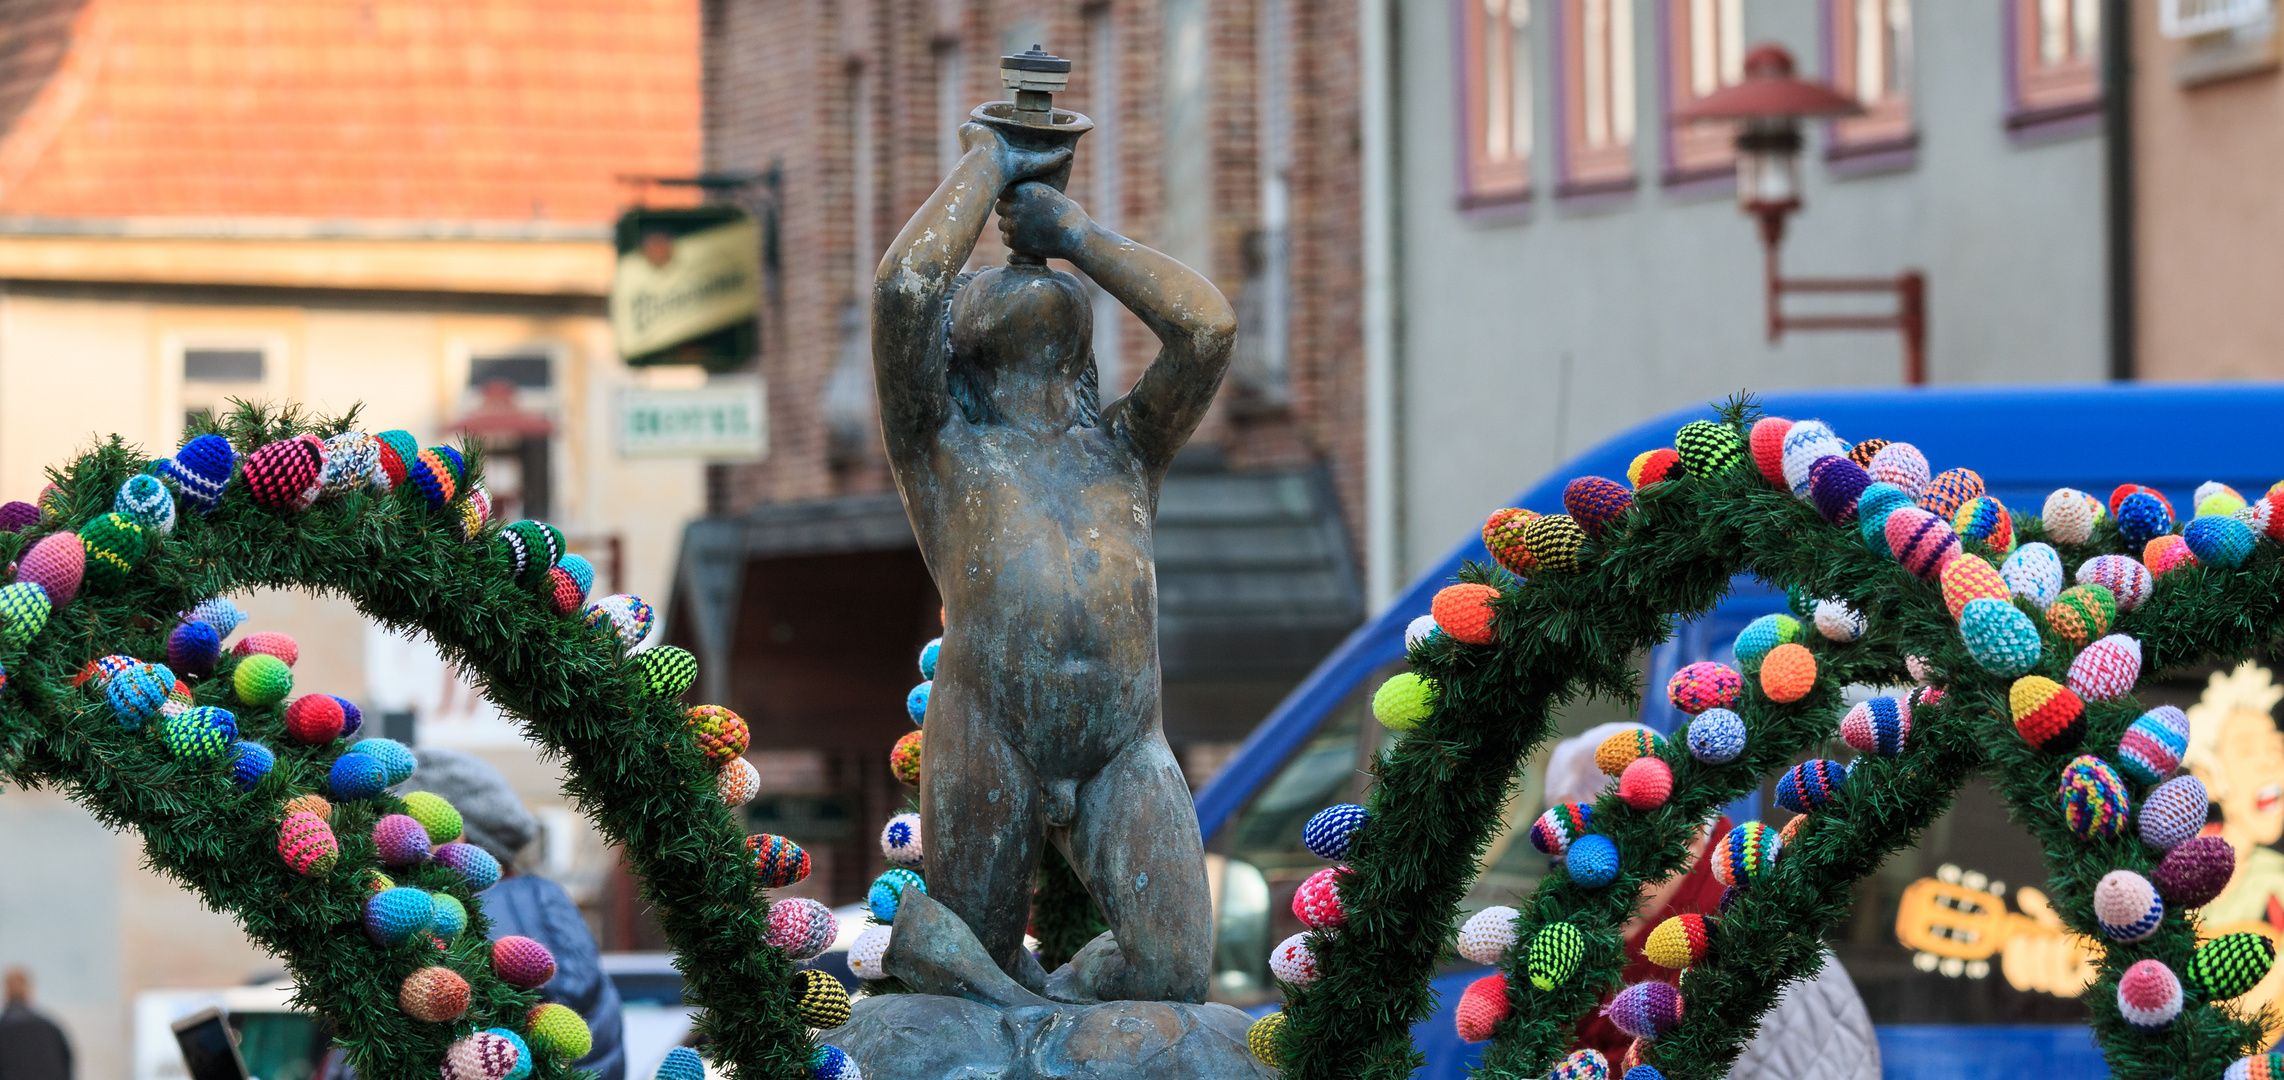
(32, 1047)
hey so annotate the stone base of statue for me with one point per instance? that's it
(968, 1020)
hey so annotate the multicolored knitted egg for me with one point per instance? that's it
(2049, 716)
(1503, 536)
(201, 469)
(475, 866)
(1704, 685)
(1839, 622)
(2142, 516)
(24, 612)
(2230, 965)
(1810, 785)
(1765, 442)
(1554, 955)
(1949, 491)
(2153, 745)
(802, 928)
(2082, 613)
(1554, 541)
(1595, 502)
(1264, 1039)
(199, 736)
(1880, 725)
(350, 460)
(777, 862)
(1872, 510)
(399, 840)
(2000, 637)
(2219, 541)
(261, 680)
(137, 693)
(2167, 553)
(1985, 519)
(2268, 1066)
(114, 545)
(721, 734)
(1762, 635)
(1968, 577)
(1403, 701)
(1788, 673)
(1834, 485)
(307, 845)
(555, 1029)
(1561, 824)
(2174, 812)
(1331, 832)
(394, 756)
(1316, 903)
(2107, 668)
(2094, 800)
(1746, 854)
(900, 841)
(356, 776)
(819, 1000)
(2195, 871)
(1646, 784)
(396, 915)
(1645, 1010)
(1292, 961)
(430, 474)
(1481, 1007)
(1901, 465)
(1619, 750)
(1921, 541)
(1806, 443)
(1592, 861)
(737, 781)
(522, 962)
(2034, 572)
(1487, 935)
(1464, 611)
(480, 1056)
(904, 759)
(314, 719)
(627, 617)
(1679, 942)
(2148, 995)
(1654, 466)
(1708, 449)
(56, 563)
(1586, 1064)
(1716, 736)
(2128, 581)
(667, 671)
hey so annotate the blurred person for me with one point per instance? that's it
(32, 1047)
(1818, 1027)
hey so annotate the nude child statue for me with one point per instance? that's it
(1033, 505)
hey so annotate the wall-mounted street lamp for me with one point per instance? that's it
(1770, 104)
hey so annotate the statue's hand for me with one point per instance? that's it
(1038, 220)
(1015, 163)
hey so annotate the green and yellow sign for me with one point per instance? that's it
(688, 287)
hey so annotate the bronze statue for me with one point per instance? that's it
(1033, 504)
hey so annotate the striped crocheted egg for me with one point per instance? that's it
(2141, 516)
(114, 545)
(284, 475)
(148, 502)
(1464, 611)
(1704, 685)
(2148, 995)
(1481, 1008)
(1746, 854)
(2230, 965)
(1834, 485)
(1762, 635)
(1582, 1065)
(307, 845)
(1708, 449)
(1488, 934)
(1881, 725)
(1554, 540)
(2094, 802)
(1554, 954)
(1872, 508)
(1984, 518)
(1654, 466)
(1330, 832)
(1503, 537)
(2268, 1066)
(2167, 553)
(1921, 541)
(2127, 580)
(432, 475)
(481, 1056)
(137, 694)
(2219, 541)
(393, 458)
(2174, 812)
(1317, 902)
(777, 862)
(1805, 443)
(1645, 1010)
(1595, 502)
(2153, 745)
(667, 671)
(1592, 861)
(2082, 613)
(1788, 673)
(201, 470)
(1716, 736)
(2046, 713)
(2034, 572)
(819, 1000)
(1902, 465)
(1810, 785)
(2107, 668)
(2126, 906)
(1562, 823)
(1949, 491)
(1679, 942)
(199, 736)
(2258, 515)
(1620, 750)
(1968, 577)
(1766, 444)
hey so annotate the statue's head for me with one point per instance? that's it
(1022, 333)
(2235, 749)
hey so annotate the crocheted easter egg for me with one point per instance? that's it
(350, 460)
(2230, 965)
(737, 782)
(563, 593)
(1763, 634)
(57, 563)
(1921, 541)
(1331, 832)
(2167, 553)
(17, 517)
(1704, 685)
(904, 759)
(777, 862)
(199, 736)
(481, 1056)
(2174, 812)
(310, 803)
(803, 928)
(394, 916)
(201, 469)
(1292, 961)
(2034, 572)
(627, 617)
(268, 643)
(314, 719)
(818, 999)
(1872, 509)
(395, 455)
(721, 734)
(2082, 613)
(1554, 540)
(1708, 449)
(249, 763)
(1968, 577)
(1717, 736)
(1645, 1010)
(2221, 497)
(2049, 716)
(531, 549)
(1317, 902)
(1678, 942)
(2148, 995)
(1562, 823)
(1503, 535)
(1263, 1039)
(2268, 1066)
(2126, 906)
(138, 693)
(2153, 745)
(1620, 750)
(2195, 871)
(1788, 673)
(833, 1063)
(2259, 516)
(1985, 519)
(928, 655)
(1949, 491)
(1487, 935)
(1464, 612)
(399, 840)
(2128, 581)
(1593, 861)
(1839, 622)
(2119, 494)
(1810, 785)
(430, 474)
(437, 816)
(2107, 668)
(1765, 443)
(1403, 701)
(553, 1028)
(475, 866)
(522, 962)
(1746, 854)
(285, 475)
(1595, 502)
(667, 671)
(1554, 955)
(23, 612)
(261, 679)
(193, 647)
(217, 612)
(1880, 725)
(451, 917)
(307, 845)
(394, 756)
(683, 1063)
(1481, 1007)
(2219, 541)
(1419, 631)
(1834, 485)
(1902, 465)
(1654, 466)
(356, 776)
(900, 841)
(1646, 784)
(2140, 517)
(2069, 515)
(1582, 1065)
(1806, 443)
(2000, 637)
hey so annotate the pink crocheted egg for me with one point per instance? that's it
(400, 840)
(2126, 906)
(520, 961)
(2167, 553)
(481, 1056)
(57, 563)
(1645, 1010)
(1594, 502)
(2174, 812)
(1481, 1008)
(2107, 668)
(2149, 995)
(1646, 784)
(1293, 961)
(802, 928)
(2196, 871)
(1902, 465)
(1704, 685)
(1317, 902)
(268, 643)
(2125, 578)
(306, 843)
(284, 474)
(1968, 577)
(1921, 541)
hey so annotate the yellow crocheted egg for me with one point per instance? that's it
(1403, 701)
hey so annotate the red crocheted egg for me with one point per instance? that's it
(268, 643)
(1464, 612)
(564, 590)
(1317, 902)
(284, 474)
(1704, 685)
(1481, 1008)
(1503, 537)
(1767, 443)
(1788, 672)
(1646, 783)
(315, 719)
(1653, 466)
(1594, 502)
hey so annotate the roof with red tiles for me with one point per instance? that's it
(412, 110)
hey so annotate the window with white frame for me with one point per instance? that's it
(1597, 55)
(1496, 59)
(1872, 62)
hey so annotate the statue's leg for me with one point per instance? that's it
(981, 830)
(1136, 845)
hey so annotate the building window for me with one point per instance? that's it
(1496, 57)
(519, 472)
(1597, 56)
(211, 372)
(2053, 60)
(1705, 51)
(1871, 61)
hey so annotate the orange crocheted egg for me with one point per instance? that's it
(1788, 672)
(1464, 612)
(1621, 750)
(1969, 577)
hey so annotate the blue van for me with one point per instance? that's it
(1313, 750)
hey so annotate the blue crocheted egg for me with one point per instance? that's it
(2219, 541)
(199, 736)
(393, 916)
(1872, 508)
(2000, 637)
(1593, 861)
(393, 756)
(2034, 572)
(928, 654)
(146, 502)
(1809, 785)
(249, 763)
(2174, 812)
(681, 1064)
(356, 776)
(888, 891)
(1332, 831)
(451, 916)
(1716, 736)
(1879, 725)
(475, 866)
(2142, 517)
(217, 612)
(1834, 484)
(1762, 635)
(916, 702)
(194, 647)
(830, 1063)
(1644, 1072)
(201, 469)
(136, 694)
(523, 1053)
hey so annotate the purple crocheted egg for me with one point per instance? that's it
(520, 961)
(1594, 502)
(1645, 1010)
(2196, 871)
(1833, 484)
(472, 863)
(2174, 812)
(400, 840)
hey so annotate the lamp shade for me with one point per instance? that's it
(1770, 90)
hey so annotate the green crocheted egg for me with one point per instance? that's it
(262, 679)
(2231, 964)
(438, 817)
(1555, 952)
(1707, 448)
(199, 736)
(114, 545)
(556, 1029)
(667, 671)
(1403, 701)
(24, 611)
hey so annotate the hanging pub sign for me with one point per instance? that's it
(688, 287)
